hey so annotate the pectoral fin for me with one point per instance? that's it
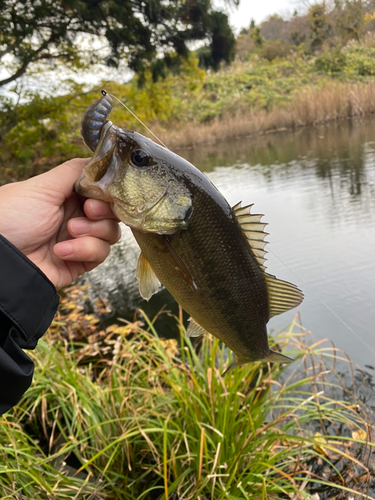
(179, 265)
(148, 283)
(194, 330)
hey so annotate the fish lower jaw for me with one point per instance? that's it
(88, 189)
(129, 216)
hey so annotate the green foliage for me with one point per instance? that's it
(119, 413)
(272, 49)
(331, 62)
(222, 46)
(296, 37)
(318, 20)
(37, 127)
(349, 18)
(139, 33)
(38, 132)
(43, 131)
(352, 62)
(257, 37)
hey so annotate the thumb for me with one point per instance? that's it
(63, 177)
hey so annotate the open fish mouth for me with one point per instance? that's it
(99, 173)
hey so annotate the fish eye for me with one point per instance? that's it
(139, 158)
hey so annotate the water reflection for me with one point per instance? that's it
(316, 187)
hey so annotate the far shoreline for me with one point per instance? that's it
(335, 102)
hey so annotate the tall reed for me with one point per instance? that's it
(332, 102)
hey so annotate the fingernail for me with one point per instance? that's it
(63, 249)
(80, 226)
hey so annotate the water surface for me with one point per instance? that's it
(316, 188)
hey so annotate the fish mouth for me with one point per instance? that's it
(99, 173)
(111, 175)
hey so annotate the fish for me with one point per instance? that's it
(208, 255)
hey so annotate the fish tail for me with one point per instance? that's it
(273, 357)
(276, 357)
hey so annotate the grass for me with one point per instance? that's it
(119, 413)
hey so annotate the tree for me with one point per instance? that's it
(223, 43)
(317, 19)
(257, 37)
(349, 18)
(143, 33)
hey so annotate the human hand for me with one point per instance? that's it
(50, 224)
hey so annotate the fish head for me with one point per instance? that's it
(133, 174)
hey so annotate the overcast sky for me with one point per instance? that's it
(259, 10)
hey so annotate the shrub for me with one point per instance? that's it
(273, 49)
(331, 62)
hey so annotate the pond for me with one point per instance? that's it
(316, 189)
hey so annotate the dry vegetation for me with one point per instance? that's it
(312, 106)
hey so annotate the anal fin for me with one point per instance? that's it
(148, 283)
(236, 362)
(194, 330)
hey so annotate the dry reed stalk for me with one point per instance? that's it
(312, 106)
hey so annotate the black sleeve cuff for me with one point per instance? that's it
(16, 372)
(28, 299)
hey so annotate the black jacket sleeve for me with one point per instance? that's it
(28, 303)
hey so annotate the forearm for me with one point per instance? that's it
(28, 303)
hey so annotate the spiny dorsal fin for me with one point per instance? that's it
(148, 283)
(282, 295)
(253, 229)
(194, 329)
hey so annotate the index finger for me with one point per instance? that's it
(98, 210)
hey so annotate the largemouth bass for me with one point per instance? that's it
(210, 256)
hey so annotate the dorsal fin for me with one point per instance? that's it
(282, 295)
(253, 229)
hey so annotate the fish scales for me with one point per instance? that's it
(231, 300)
(208, 255)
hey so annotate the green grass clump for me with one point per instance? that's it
(119, 413)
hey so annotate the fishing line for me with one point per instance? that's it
(104, 92)
(326, 305)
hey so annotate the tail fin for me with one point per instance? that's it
(273, 357)
(276, 357)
